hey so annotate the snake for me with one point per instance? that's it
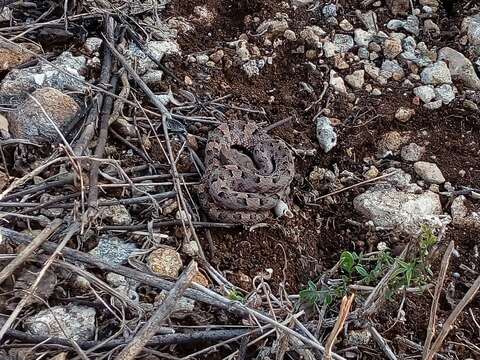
(247, 173)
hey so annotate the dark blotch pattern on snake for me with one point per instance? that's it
(247, 172)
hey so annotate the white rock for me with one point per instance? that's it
(92, 45)
(390, 208)
(404, 114)
(434, 105)
(471, 26)
(429, 172)
(250, 68)
(337, 82)
(113, 250)
(158, 49)
(329, 10)
(326, 136)
(426, 93)
(412, 152)
(462, 215)
(436, 74)
(362, 37)
(329, 49)
(345, 25)
(461, 69)
(445, 93)
(72, 321)
(356, 79)
(290, 35)
(343, 42)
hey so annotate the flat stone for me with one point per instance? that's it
(165, 262)
(412, 152)
(75, 322)
(345, 25)
(429, 172)
(471, 26)
(356, 79)
(30, 122)
(312, 35)
(461, 69)
(326, 136)
(426, 93)
(11, 56)
(391, 208)
(343, 42)
(113, 250)
(436, 74)
(392, 48)
(362, 37)
(158, 49)
(434, 105)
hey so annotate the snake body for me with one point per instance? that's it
(247, 172)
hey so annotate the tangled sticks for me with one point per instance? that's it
(247, 173)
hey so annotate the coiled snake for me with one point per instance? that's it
(247, 173)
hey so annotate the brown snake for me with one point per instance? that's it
(247, 172)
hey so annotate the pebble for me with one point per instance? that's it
(371, 173)
(356, 79)
(376, 92)
(337, 82)
(430, 26)
(393, 67)
(429, 172)
(30, 122)
(165, 262)
(461, 69)
(329, 10)
(362, 37)
(113, 250)
(392, 48)
(345, 25)
(290, 35)
(363, 53)
(217, 56)
(436, 74)
(329, 49)
(398, 7)
(202, 59)
(445, 93)
(426, 93)
(250, 68)
(312, 35)
(471, 26)
(74, 322)
(404, 114)
(326, 136)
(115, 215)
(343, 42)
(434, 105)
(412, 152)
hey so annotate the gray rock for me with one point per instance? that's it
(30, 122)
(445, 93)
(158, 49)
(113, 250)
(434, 105)
(463, 215)
(329, 10)
(412, 152)
(395, 24)
(115, 215)
(390, 208)
(18, 82)
(275, 26)
(72, 321)
(299, 3)
(329, 49)
(92, 45)
(471, 25)
(124, 285)
(430, 26)
(326, 136)
(362, 37)
(369, 19)
(426, 93)
(436, 74)
(153, 77)
(461, 69)
(412, 25)
(393, 67)
(363, 53)
(409, 44)
(356, 79)
(337, 82)
(312, 35)
(343, 42)
(429, 172)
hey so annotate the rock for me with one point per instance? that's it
(329, 10)
(184, 305)
(404, 114)
(72, 321)
(273, 26)
(165, 261)
(202, 59)
(393, 67)
(434, 105)
(124, 285)
(12, 56)
(358, 337)
(115, 215)
(113, 250)
(362, 37)
(337, 83)
(92, 45)
(158, 49)
(390, 143)
(391, 208)
(343, 42)
(326, 136)
(412, 25)
(329, 49)
(395, 24)
(430, 26)
(471, 26)
(432, 3)
(463, 214)
(412, 152)
(426, 93)
(409, 44)
(356, 79)
(363, 53)
(369, 19)
(311, 35)
(18, 82)
(436, 74)
(250, 68)
(461, 69)
(200, 279)
(30, 122)
(345, 25)
(218, 55)
(376, 92)
(290, 35)
(445, 93)
(398, 7)
(153, 77)
(392, 48)
(371, 173)
(299, 3)
(429, 172)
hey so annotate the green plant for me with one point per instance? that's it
(313, 296)
(235, 295)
